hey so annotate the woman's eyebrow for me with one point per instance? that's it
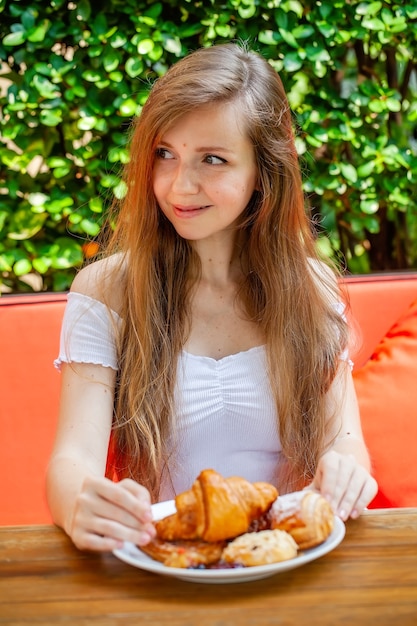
(201, 149)
(213, 149)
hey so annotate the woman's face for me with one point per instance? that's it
(205, 173)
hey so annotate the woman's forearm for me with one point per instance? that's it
(64, 481)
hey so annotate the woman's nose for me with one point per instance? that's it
(185, 179)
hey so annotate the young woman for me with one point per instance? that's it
(211, 335)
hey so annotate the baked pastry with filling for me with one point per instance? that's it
(184, 553)
(305, 515)
(261, 548)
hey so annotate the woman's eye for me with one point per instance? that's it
(212, 159)
(163, 153)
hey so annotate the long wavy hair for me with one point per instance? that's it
(284, 288)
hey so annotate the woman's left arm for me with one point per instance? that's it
(343, 473)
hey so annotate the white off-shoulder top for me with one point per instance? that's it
(225, 413)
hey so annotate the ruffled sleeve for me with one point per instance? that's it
(88, 333)
(344, 356)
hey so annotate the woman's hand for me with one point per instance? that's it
(106, 514)
(345, 483)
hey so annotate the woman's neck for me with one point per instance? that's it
(220, 261)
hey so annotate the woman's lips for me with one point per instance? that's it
(188, 211)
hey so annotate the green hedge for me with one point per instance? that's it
(74, 73)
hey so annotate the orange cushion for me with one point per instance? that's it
(29, 342)
(387, 393)
(376, 302)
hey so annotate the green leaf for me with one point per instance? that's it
(54, 162)
(51, 118)
(292, 62)
(87, 122)
(90, 227)
(156, 53)
(3, 216)
(366, 169)
(119, 155)
(411, 11)
(92, 76)
(172, 44)
(83, 10)
(288, 37)
(96, 204)
(377, 105)
(128, 107)
(6, 263)
(393, 104)
(294, 6)
(111, 60)
(45, 87)
(65, 253)
(116, 77)
(145, 46)
(134, 66)
(152, 12)
(368, 8)
(369, 205)
(25, 224)
(22, 267)
(247, 12)
(349, 172)
(373, 24)
(14, 39)
(343, 36)
(75, 218)
(303, 31)
(269, 37)
(326, 29)
(325, 9)
(59, 204)
(118, 40)
(109, 180)
(41, 264)
(317, 53)
(398, 197)
(120, 190)
(38, 33)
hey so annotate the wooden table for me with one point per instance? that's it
(370, 578)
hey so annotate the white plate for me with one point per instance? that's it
(134, 556)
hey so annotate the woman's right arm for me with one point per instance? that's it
(95, 512)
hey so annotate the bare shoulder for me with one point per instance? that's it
(102, 280)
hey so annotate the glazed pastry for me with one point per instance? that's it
(262, 548)
(216, 508)
(184, 554)
(306, 515)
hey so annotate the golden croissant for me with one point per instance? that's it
(305, 515)
(216, 508)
